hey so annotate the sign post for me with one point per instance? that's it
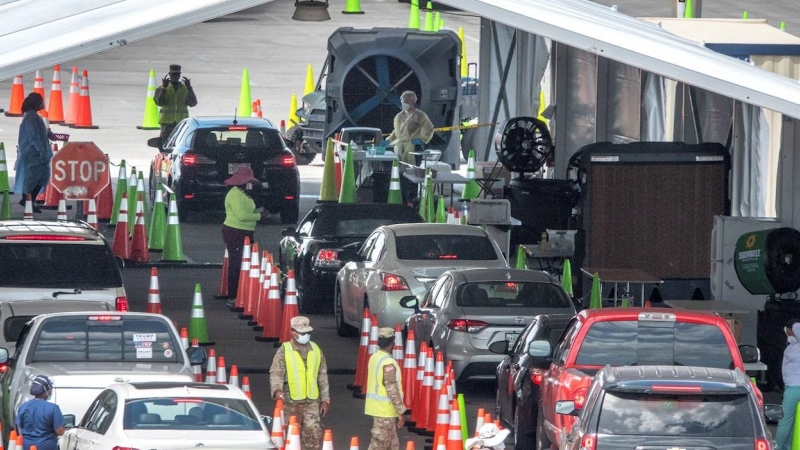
(79, 171)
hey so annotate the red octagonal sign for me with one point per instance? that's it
(80, 171)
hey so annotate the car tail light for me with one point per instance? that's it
(121, 304)
(104, 318)
(287, 161)
(589, 442)
(536, 376)
(4, 367)
(187, 400)
(327, 258)
(579, 398)
(675, 388)
(288, 197)
(391, 282)
(192, 159)
(762, 444)
(466, 325)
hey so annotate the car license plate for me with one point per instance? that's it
(233, 167)
(512, 337)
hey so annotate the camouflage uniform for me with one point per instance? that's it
(384, 429)
(306, 411)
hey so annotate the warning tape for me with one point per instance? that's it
(458, 127)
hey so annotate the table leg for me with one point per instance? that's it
(615, 294)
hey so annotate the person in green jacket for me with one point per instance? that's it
(174, 96)
(241, 216)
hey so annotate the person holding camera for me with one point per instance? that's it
(174, 96)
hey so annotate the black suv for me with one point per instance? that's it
(669, 407)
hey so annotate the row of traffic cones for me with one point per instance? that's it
(79, 111)
(134, 245)
(433, 19)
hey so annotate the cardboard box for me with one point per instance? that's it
(483, 169)
(736, 328)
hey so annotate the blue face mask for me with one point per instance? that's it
(304, 339)
(406, 106)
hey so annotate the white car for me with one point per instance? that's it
(405, 259)
(169, 415)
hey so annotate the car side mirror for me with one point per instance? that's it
(197, 356)
(267, 422)
(750, 354)
(410, 302)
(773, 413)
(288, 231)
(567, 408)
(499, 347)
(539, 348)
(69, 420)
(3, 356)
(288, 143)
(154, 142)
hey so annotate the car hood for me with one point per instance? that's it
(108, 295)
(186, 439)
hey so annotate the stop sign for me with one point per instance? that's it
(79, 171)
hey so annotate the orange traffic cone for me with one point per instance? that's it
(354, 443)
(290, 308)
(425, 394)
(12, 440)
(62, 210)
(416, 409)
(184, 336)
(410, 445)
(409, 369)
(223, 277)
(253, 286)
(263, 291)
(274, 310)
(84, 119)
(233, 379)
(121, 247)
(74, 99)
(222, 373)
(438, 381)
(55, 109)
(454, 441)
(211, 367)
(17, 97)
(397, 350)
(139, 251)
(105, 200)
(244, 275)
(479, 420)
(327, 440)
(293, 441)
(28, 213)
(38, 84)
(283, 128)
(197, 370)
(277, 429)
(246, 387)
(154, 295)
(361, 360)
(259, 113)
(91, 217)
(372, 348)
(442, 415)
(441, 443)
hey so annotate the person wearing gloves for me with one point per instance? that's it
(38, 421)
(384, 393)
(241, 217)
(412, 128)
(299, 368)
(33, 152)
(489, 437)
(791, 379)
(174, 96)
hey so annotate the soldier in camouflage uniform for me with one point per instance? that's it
(299, 377)
(384, 394)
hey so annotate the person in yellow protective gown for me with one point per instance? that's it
(411, 127)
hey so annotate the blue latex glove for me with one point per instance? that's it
(385, 143)
(417, 141)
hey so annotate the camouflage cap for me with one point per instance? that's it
(385, 332)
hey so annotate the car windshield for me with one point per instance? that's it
(181, 413)
(512, 295)
(624, 343)
(676, 415)
(215, 142)
(105, 338)
(360, 222)
(53, 265)
(427, 247)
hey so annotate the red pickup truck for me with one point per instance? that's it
(624, 337)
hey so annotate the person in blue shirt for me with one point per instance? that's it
(38, 421)
(791, 392)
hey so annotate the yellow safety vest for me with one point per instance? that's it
(174, 109)
(302, 377)
(378, 403)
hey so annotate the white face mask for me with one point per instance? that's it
(304, 338)
(791, 339)
(406, 106)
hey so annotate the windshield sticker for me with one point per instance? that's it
(144, 353)
(143, 344)
(144, 337)
(167, 353)
(165, 345)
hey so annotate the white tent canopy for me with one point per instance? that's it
(40, 33)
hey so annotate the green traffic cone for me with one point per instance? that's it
(157, 230)
(327, 190)
(173, 245)
(145, 197)
(245, 104)
(4, 186)
(132, 181)
(198, 327)
(595, 299)
(122, 186)
(413, 15)
(471, 189)
(429, 17)
(348, 194)
(395, 195)
(745, 15)
(522, 258)
(783, 28)
(626, 303)
(462, 411)
(437, 21)
(431, 205)
(441, 211)
(353, 7)
(566, 278)
(689, 12)
(5, 211)
(463, 39)
(150, 120)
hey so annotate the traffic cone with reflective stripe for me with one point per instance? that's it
(451, 217)
(293, 441)
(479, 420)
(416, 409)
(259, 113)
(279, 407)
(19, 442)
(211, 366)
(154, 295)
(122, 187)
(454, 441)
(62, 210)
(425, 394)
(253, 286)
(38, 84)
(28, 213)
(91, 217)
(290, 308)
(150, 120)
(12, 440)
(84, 119)
(157, 231)
(173, 246)
(410, 445)
(132, 182)
(121, 246)
(283, 128)
(222, 373)
(145, 199)
(244, 276)
(354, 443)
(246, 387)
(5, 211)
(196, 369)
(438, 381)
(277, 429)
(4, 185)
(198, 328)
(274, 313)
(17, 97)
(441, 442)
(372, 348)
(253, 109)
(442, 415)
(263, 291)
(337, 165)
(327, 440)
(395, 195)
(55, 108)
(74, 98)
(139, 252)
(361, 360)
(223, 277)
(184, 336)
(471, 189)
(409, 370)
(397, 350)
(233, 378)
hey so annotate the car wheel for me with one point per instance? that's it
(522, 435)
(542, 441)
(342, 328)
(290, 213)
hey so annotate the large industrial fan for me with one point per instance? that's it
(768, 261)
(525, 145)
(369, 69)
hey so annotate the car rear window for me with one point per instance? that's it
(429, 247)
(105, 338)
(354, 222)
(624, 343)
(512, 295)
(215, 142)
(181, 413)
(56, 265)
(676, 415)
